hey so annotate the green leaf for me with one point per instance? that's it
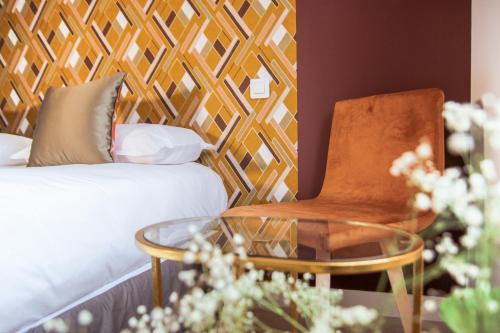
(468, 311)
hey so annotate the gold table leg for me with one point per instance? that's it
(418, 290)
(157, 285)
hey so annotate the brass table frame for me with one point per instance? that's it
(413, 256)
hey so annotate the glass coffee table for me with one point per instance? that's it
(294, 245)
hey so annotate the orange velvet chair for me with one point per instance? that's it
(367, 135)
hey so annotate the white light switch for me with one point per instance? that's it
(259, 88)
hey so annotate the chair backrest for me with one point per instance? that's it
(369, 133)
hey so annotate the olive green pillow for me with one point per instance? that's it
(74, 124)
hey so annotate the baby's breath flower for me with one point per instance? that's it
(430, 305)
(424, 151)
(189, 257)
(472, 216)
(447, 246)
(478, 186)
(133, 322)
(193, 247)
(492, 306)
(488, 169)
(428, 255)
(173, 297)
(60, 326)
(422, 202)
(157, 314)
(460, 143)
(238, 240)
(84, 318)
(193, 229)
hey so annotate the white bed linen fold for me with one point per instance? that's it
(67, 231)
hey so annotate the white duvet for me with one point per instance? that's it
(67, 232)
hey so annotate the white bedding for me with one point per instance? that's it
(67, 232)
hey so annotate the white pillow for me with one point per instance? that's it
(14, 149)
(157, 144)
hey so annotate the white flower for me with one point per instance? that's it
(478, 185)
(231, 294)
(492, 306)
(473, 216)
(479, 117)
(193, 247)
(428, 255)
(132, 322)
(57, 324)
(84, 318)
(238, 240)
(430, 180)
(189, 257)
(457, 117)
(422, 201)
(204, 257)
(462, 272)
(193, 229)
(322, 324)
(488, 169)
(460, 143)
(60, 326)
(395, 169)
(452, 173)
(447, 246)
(157, 314)
(417, 177)
(468, 241)
(408, 158)
(187, 277)
(141, 309)
(471, 237)
(430, 305)
(174, 297)
(424, 151)
(196, 316)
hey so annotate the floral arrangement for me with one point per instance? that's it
(220, 299)
(465, 199)
(228, 295)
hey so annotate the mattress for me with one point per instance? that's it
(67, 232)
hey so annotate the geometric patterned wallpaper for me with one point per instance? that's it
(189, 63)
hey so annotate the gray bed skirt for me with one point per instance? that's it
(112, 309)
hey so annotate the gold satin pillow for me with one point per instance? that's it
(74, 124)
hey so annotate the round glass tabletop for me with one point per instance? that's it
(278, 242)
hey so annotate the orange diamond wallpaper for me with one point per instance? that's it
(189, 63)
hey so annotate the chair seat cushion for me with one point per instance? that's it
(384, 213)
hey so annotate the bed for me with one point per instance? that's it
(67, 232)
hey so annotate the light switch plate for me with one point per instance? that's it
(259, 88)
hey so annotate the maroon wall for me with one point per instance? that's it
(354, 48)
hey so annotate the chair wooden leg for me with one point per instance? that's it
(322, 280)
(397, 280)
(398, 286)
